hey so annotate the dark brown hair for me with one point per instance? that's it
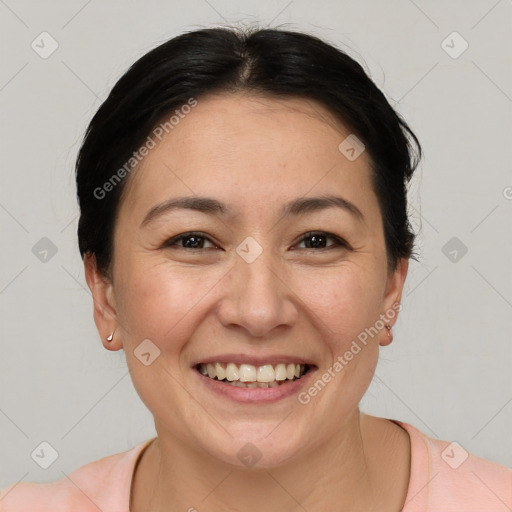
(274, 62)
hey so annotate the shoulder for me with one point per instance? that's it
(55, 496)
(98, 485)
(444, 476)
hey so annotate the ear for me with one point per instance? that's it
(105, 316)
(393, 298)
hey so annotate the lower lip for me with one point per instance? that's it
(256, 395)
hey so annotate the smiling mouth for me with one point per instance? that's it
(250, 376)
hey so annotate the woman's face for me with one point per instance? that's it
(252, 285)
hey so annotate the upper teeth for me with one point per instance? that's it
(250, 373)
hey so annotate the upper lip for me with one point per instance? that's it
(239, 359)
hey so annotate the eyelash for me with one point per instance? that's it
(339, 242)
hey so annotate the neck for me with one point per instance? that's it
(344, 473)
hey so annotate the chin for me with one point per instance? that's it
(256, 446)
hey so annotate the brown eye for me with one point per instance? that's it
(319, 240)
(190, 240)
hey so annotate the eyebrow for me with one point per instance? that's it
(210, 206)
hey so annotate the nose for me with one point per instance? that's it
(257, 298)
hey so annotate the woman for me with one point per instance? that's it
(245, 238)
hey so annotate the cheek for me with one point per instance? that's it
(346, 300)
(162, 302)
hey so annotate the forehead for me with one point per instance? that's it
(254, 149)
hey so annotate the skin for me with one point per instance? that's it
(254, 154)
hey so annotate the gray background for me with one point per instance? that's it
(448, 370)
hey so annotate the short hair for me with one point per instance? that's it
(274, 62)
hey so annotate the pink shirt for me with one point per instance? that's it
(444, 478)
